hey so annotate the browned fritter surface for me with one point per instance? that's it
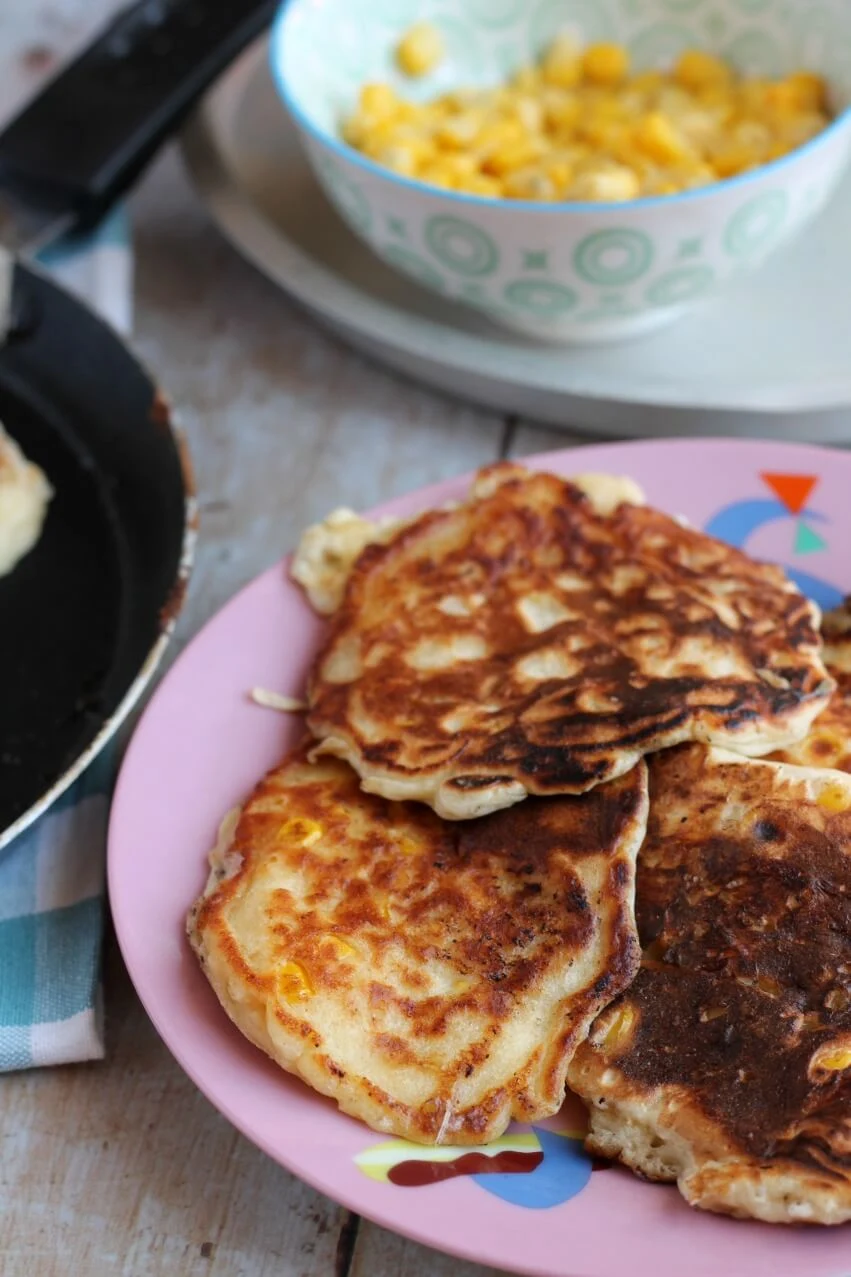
(735, 1037)
(828, 743)
(434, 979)
(525, 643)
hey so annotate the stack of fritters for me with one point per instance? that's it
(382, 926)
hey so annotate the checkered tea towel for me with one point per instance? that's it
(52, 887)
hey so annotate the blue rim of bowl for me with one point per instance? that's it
(348, 153)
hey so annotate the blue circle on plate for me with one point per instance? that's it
(563, 1173)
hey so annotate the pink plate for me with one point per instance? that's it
(200, 748)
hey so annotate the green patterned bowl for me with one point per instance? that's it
(564, 272)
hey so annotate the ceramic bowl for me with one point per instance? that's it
(571, 272)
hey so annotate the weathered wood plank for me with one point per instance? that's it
(379, 1253)
(528, 438)
(124, 1168)
(284, 422)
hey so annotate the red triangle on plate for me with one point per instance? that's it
(792, 489)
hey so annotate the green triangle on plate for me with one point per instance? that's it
(807, 541)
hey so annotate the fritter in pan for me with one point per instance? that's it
(24, 498)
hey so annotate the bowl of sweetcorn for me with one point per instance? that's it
(576, 170)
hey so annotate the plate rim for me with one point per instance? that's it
(197, 1068)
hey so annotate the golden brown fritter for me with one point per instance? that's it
(527, 643)
(432, 978)
(727, 1064)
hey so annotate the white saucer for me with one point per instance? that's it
(769, 357)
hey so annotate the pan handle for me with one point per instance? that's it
(83, 141)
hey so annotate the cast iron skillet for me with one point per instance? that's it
(86, 615)
(84, 618)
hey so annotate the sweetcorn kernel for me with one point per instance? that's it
(460, 131)
(528, 112)
(835, 1061)
(378, 101)
(560, 173)
(733, 160)
(614, 183)
(808, 90)
(403, 158)
(294, 984)
(657, 137)
(801, 129)
(457, 100)
(498, 134)
(562, 64)
(752, 133)
(529, 184)
(604, 135)
(480, 184)
(751, 97)
(701, 126)
(526, 80)
(782, 99)
(605, 64)
(674, 102)
(340, 945)
(406, 846)
(647, 83)
(776, 151)
(657, 185)
(511, 156)
(420, 50)
(438, 174)
(693, 174)
(696, 69)
(461, 166)
(720, 96)
(619, 1031)
(834, 798)
(562, 113)
(302, 831)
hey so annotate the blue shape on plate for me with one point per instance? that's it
(736, 523)
(807, 541)
(563, 1173)
(827, 596)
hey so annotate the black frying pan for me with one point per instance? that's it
(86, 615)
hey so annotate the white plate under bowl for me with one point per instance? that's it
(769, 357)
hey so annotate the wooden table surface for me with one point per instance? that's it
(122, 1167)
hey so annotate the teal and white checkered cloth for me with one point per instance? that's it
(52, 890)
